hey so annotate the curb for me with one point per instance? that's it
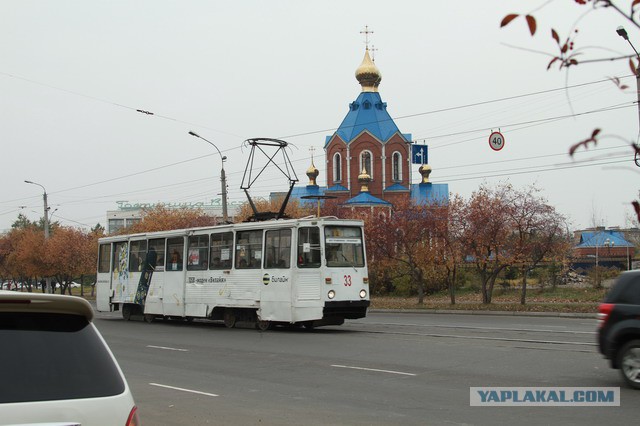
(495, 313)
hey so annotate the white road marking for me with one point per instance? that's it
(502, 339)
(374, 369)
(182, 389)
(168, 349)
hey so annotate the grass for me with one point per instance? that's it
(562, 299)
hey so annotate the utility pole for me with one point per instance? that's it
(46, 225)
(223, 177)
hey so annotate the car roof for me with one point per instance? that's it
(14, 301)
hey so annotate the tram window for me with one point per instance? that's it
(198, 253)
(175, 248)
(309, 248)
(221, 249)
(137, 254)
(278, 249)
(343, 246)
(104, 257)
(120, 257)
(248, 249)
(158, 246)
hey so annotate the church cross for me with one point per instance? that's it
(366, 33)
(373, 52)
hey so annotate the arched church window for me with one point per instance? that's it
(337, 167)
(396, 166)
(366, 162)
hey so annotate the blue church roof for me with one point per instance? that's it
(599, 239)
(366, 199)
(430, 193)
(369, 113)
(302, 191)
(396, 187)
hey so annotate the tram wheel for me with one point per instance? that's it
(149, 318)
(263, 325)
(229, 318)
(126, 311)
(308, 325)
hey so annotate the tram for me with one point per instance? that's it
(310, 272)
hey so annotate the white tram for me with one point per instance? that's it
(309, 272)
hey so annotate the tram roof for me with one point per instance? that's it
(276, 223)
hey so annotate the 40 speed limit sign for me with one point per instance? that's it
(496, 141)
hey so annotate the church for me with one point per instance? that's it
(369, 161)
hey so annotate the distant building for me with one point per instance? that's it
(369, 159)
(602, 247)
(128, 213)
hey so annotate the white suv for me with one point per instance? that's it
(56, 367)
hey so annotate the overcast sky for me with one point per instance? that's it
(73, 73)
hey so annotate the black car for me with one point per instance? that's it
(619, 327)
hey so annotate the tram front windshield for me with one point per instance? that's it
(343, 246)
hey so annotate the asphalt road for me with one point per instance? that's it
(409, 369)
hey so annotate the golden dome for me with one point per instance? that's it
(425, 170)
(312, 173)
(364, 180)
(368, 75)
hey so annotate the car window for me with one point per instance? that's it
(54, 357)
(626, 290)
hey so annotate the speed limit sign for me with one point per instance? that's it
(496, 141)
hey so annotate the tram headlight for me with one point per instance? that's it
(363, 294)
(331, 294)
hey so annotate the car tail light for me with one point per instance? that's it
(133, 419)
(603, 313)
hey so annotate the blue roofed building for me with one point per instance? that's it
(604, 248)
(369, 160)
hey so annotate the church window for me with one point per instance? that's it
(366, 162)
(396, 166)
(367, 105)
(337, 167)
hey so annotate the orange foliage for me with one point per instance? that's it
(161, 218)
(293, 210)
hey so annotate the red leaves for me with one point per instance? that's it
(507, 19)
(531, 22)
(632, 66)
(585, 142)
(616, 81)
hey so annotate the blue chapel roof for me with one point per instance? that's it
(364, 198)
(369, 113)
(599, 239)
(430, 193)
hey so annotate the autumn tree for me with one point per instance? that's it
(451, 236)
(71, 253)
(293, 209)
(405, 242)
(24, 254)
(162, 218)
(485, 230)
(539, 232)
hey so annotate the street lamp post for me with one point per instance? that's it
(46, 223)
(623, 33)
(223, 178)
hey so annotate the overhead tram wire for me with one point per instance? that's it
(542, 120)
(295, 135)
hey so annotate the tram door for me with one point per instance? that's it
(173, 285)
(275, 294)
